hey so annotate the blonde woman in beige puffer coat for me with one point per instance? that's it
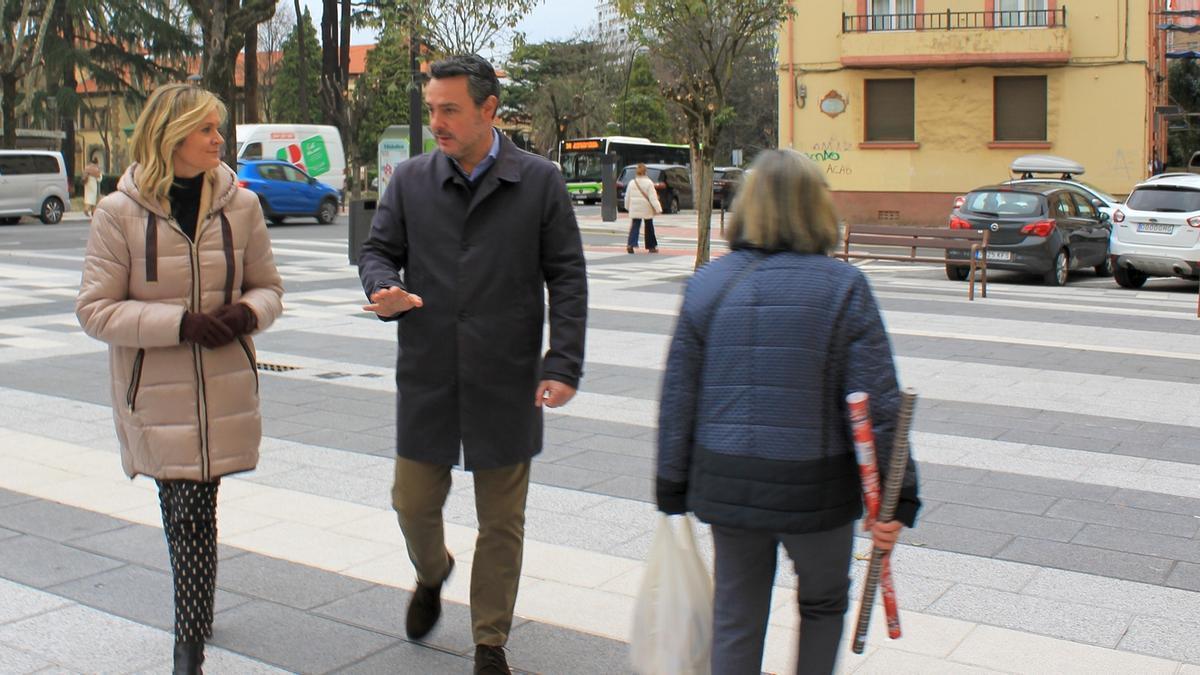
(178, 274)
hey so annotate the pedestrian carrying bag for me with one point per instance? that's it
(672, 620)
(649, 202)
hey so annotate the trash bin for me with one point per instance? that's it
(362, 211)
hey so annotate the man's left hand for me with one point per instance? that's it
(553, 394)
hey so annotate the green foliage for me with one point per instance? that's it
(645, 109)
(562, 89)
(285, 93)
(1183, 86)
(382, 91)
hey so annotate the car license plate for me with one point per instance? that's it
(1158, 228)
(1001, 256)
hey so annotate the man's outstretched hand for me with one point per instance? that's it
(553, 394)
(389, 302)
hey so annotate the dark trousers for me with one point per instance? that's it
(745, 574)
(635, 229)
(189, 512)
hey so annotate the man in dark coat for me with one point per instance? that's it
(462, 244)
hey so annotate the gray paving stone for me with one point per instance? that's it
(381, 609)
(142, 545)
(18, 601)
(1131, 597)
(136, 593)
(1058, 440)
(1125, 517)
(111, 645)
(947, 473)
(1185, 575)
(564, 437)
(573, 652)
(611, 463)
(6, 533)
(956, 429)
(1087, 559)
(547, 473)
(40, 563)
(992, 498)
(406, 658)
(1164, 637)
(351, 487)
(1138, 541)
(284, 582)
(1154, 501)
(931, 534)
(1090, 625)
(553, 453)
(18, 663)
(343, 440)
(569, 530)
(8, 498)
(618, 445)
(284, 637)
(54, 521)
(593, 426)
(629, 487)
(1046, 486)
(993, 520)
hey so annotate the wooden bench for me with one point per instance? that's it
(912, 238)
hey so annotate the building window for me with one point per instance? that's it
(890, 111)
(1020, 108)
(1017, 13)
(893, 14)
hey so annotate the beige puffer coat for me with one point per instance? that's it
(182, 411)
(641, 198)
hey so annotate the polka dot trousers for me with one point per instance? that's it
(189, 511)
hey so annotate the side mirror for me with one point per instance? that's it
(1105, 217)
(1097, 203)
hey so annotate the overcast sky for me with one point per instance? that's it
(550, 20)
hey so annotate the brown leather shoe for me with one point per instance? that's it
(425, 607)
(652, 250)
(629, 249)
(490, 660)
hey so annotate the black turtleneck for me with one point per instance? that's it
(185, 203)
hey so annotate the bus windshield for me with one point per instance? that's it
(584, 166)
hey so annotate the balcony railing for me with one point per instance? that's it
(1021, 18)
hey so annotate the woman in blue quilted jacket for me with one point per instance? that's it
(754, 435)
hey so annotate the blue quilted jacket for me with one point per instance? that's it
(753, 428)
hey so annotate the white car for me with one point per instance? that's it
(1156, 232)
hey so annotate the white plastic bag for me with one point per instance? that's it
(672, 620)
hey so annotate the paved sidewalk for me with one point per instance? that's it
(1060, 471)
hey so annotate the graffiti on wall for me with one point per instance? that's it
(832, 155)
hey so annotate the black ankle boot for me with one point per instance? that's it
(189, 656)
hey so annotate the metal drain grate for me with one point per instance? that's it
(276, 367)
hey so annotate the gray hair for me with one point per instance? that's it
(784, 205)
(481, 76)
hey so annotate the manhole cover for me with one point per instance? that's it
(276, 367)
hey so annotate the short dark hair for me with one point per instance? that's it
(481, 76)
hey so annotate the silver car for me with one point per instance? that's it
(33, 183)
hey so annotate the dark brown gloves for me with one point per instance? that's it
(204, 330)
(237, 317)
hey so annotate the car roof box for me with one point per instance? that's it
(1029, 165)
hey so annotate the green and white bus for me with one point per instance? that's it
(580, 159)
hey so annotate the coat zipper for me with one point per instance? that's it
(197, 354)
(135, 380)
(250, 358)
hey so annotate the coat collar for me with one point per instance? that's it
(506, 168)
(221, 186)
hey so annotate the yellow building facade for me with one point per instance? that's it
(909, 103)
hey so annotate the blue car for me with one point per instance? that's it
(285, 191)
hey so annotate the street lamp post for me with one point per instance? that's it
(628, 72)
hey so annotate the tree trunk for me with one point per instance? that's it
(250, 78)
(302, 66)
(68, 116)
(330, 68)
(8, 113)
(703, 144)
(345, 42)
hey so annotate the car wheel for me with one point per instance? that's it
(275, 220)
(1128, 277)
(673, 205)
(9, 220)
(52, 210)
(1105, 269)
(957, 272)
(327, 212)
(1057, 276)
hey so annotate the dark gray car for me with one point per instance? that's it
(1047, 230)
(673, 183)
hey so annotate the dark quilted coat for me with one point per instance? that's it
(753, 426)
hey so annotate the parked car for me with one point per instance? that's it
(315, 149)
(33, 183)
(1156, 232)
(286, 191)
(1057, 171)
(726, 181)
(1047, 230)
(672, 181)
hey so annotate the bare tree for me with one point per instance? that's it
(271, 35)
(467, 26)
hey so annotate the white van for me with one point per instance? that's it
(33, 183)
(315, 148)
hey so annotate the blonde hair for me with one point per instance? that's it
(641, 169)
(784, 205)
(172, 112)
